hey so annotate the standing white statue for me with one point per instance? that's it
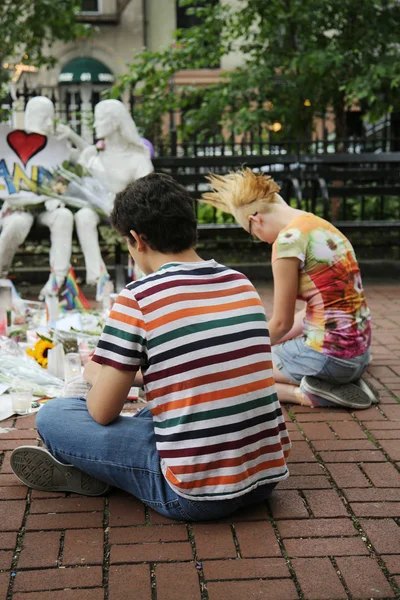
(15, 225)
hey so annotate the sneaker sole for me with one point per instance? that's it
(369, 390)
(38, 469)
(347, 395)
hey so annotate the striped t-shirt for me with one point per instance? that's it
(199, 333)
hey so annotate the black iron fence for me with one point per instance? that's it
(383, 136)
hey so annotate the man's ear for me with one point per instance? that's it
(140, 241)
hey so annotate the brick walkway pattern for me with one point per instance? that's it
(331, 531)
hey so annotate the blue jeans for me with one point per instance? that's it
(124, 454)
(296, 359)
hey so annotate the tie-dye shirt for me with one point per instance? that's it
(337, 320)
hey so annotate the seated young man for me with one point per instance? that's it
(212, 437)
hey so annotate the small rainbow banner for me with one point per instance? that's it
(73, 296)
(54, 284)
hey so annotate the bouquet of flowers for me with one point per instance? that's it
(71, 185)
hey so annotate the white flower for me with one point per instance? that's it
(289, 236)
(326, 246)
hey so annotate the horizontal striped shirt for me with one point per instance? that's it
(199, 333)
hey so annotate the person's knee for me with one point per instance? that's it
(49, 417)
(64, 215)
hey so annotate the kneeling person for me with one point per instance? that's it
(212, 437)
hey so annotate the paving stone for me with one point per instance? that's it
(257, 539)
(282, 589)
(129, 581)
(304, 528)
(393, 412)
(301, 453)
(8, 540)
(383, 475)
(373, 495)
(306, 469)
(126, 510)
(339, 445)
(376, 509)
(88, 594)
(305, 483)
(4, 582)
(370, 414)
(382, 425)
(6, 557)
(258, 512)
(156, 533)
(245, 568)
(348, 430)
(28, 422)
(319, 431)
(11, 444)
(64, 521)
(383, 533)
(40, 494)
(364, 578)
(386, 434)
(66, 505)
(357, 456)
(392, 447)
(205, 536)
(39, 549)
(393, 564)
(348, 475)
(325, 503)
(163, 552)
(11, 514)
(287, 505)
(318, 579)
(324, 415)
(57, 579)
(14, 492)
(173, 579)
(83, 547)
(332, 546)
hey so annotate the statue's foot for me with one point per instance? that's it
(47, 289)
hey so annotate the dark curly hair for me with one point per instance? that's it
(158, 208)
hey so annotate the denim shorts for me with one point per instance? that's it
(295, 359)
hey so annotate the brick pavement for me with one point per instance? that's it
(331, 531)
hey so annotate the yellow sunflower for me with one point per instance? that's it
(39, 352)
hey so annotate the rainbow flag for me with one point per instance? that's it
(73, 295)
(54, 284)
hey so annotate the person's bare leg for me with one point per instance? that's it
(289, 392)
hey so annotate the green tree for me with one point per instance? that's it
(30, 27)
(300, 57)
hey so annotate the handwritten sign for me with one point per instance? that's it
(26, 160)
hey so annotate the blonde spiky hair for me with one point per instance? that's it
(242, 194)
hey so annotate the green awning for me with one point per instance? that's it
(81, 70)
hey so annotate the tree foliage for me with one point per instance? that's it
(300, 57)
(30, 27)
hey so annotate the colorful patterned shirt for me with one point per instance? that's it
(337, 320)
(199, 333)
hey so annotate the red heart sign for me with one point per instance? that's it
(26, 145)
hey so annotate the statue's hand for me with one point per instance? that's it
(63, 131)
(53, 204)
(86, 156)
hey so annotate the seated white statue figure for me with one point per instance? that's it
(124, 159)
(15, 225)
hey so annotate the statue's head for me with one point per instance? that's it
(39, 115)
(112, 116)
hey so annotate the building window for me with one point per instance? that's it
(185, 20)
(90, 6)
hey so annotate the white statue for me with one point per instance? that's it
(39, 118)
(125, 157)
